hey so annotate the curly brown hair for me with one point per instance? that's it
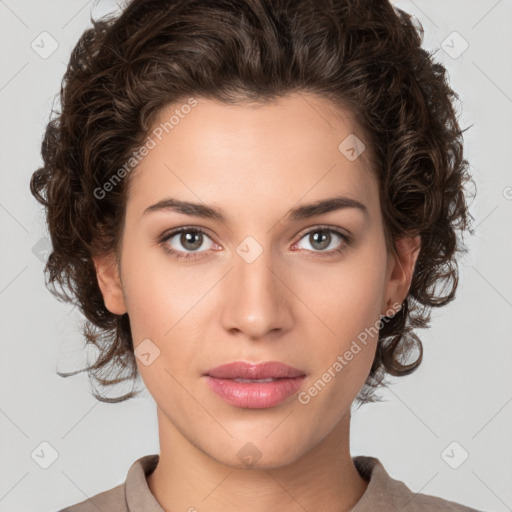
(363, 55)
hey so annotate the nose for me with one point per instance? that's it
(257, 300)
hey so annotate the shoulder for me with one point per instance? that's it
(387, 494)
(112, 500)
(423, 503)
(133, 495)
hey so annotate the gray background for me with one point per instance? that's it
(462, 392)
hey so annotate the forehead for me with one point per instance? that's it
(299, 148)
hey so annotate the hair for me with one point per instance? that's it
(364, 55)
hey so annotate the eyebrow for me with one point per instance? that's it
(298, 213)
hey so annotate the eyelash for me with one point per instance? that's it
(193, 256)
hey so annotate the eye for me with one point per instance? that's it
(321, 238)
(191, 239)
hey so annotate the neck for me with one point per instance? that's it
(324, 478)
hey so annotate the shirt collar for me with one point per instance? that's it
(383, 493)
(138, 493)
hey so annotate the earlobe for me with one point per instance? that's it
(109, 281)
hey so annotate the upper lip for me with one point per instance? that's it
(245, 370)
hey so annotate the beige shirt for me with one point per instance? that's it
(383, 494)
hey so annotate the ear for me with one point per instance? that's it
(107, 273)
(400, 271)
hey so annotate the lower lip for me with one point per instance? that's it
(255, 395)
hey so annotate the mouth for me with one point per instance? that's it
(270, 379)
(257, 372)
(255, 386)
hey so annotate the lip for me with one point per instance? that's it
(245, 370)
(255, 395)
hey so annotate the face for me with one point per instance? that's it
(255, 283)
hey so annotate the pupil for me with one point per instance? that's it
(325, 235)
(186, 239)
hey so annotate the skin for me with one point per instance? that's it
(292, 304)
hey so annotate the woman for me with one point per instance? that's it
(251, 202)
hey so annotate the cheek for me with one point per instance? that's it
(158, 292)
(346, 297)
(164, 307)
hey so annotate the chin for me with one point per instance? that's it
(259, 454)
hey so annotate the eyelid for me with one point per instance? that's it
(306, 231)
(166, 236)
(326, 227)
